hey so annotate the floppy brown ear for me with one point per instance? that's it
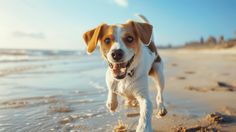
(91, 38)
(144, 31)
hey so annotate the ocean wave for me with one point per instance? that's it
(12, 55)
(97, 85)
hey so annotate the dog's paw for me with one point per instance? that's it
(131, 103)
(144, 128)
(161, 110)
(111, 105)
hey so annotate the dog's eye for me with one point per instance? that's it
(107, 40)
(129, 39)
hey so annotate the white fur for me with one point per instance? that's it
(136, 87)
(119, 44)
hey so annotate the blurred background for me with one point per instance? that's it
(59, 24)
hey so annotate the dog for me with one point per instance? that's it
(132, 57)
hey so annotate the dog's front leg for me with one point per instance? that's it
(145, 118)
(112, 102)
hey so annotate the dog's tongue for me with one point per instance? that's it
(119, 68)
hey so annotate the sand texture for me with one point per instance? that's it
(69, 93)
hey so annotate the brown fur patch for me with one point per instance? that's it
(108, 32)
(144, 31)
(158, 59)
(152, 47)
(151, 72)
(129, 30)
(91, 37)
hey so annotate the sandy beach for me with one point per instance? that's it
(64, 93)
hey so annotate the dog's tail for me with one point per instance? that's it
(142, 18)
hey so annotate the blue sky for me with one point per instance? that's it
(59, 24)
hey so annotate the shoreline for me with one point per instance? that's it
(70, 94)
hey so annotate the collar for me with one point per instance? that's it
(131, 73)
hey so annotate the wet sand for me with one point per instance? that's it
(69, 93)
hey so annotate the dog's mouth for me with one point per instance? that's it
(119, 70)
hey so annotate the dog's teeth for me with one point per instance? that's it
(123, 69)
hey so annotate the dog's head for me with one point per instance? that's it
(119, 44)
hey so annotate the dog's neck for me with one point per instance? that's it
(136, 64)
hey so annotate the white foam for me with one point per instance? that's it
(96, 85)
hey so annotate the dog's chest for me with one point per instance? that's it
(124, 88)
(136, 80)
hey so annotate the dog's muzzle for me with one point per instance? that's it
(119, 70)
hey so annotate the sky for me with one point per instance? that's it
(60, 24)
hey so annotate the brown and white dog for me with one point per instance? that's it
(131, 54)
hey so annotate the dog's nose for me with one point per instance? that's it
(117, 54)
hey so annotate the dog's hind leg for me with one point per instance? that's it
(157, 74)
